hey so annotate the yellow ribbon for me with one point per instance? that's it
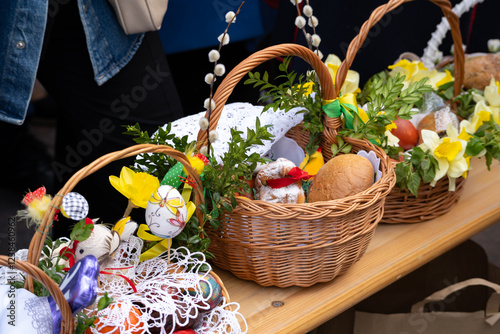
(162, 246)
(120, 225)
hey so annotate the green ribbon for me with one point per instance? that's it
(336, 109)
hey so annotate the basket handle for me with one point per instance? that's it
(38, 240)
(67, 326)
(378, 13)
(227, 85)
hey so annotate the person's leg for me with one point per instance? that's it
(90, 117)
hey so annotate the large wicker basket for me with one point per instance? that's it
(296, 244)
(37, 242)
(431, 202)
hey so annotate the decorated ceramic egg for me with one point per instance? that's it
(166, 212)
(211, 290)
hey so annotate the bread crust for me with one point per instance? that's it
(342, 176)
(479, 69)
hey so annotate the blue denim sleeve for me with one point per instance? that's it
(22, 26)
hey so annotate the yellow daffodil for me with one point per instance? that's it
(449, 154)
(137, 187)
(308, 86)
(415, 71)
(351, 83)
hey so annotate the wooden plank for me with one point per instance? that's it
(395, 251)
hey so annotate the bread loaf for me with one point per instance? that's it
(342, 176)
(292, 193)
(437, 122)
(479, 70)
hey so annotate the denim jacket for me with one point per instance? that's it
(22, 26)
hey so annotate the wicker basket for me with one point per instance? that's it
(37, 242)
(431, 202)
(296, 244)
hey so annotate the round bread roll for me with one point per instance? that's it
(342, 176)
(479, 69)
(437, 122)
(292, 193)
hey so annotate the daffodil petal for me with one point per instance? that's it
(457, 168)
(115, 182)
(430, 139)
(127, 175)
(333, 59)
(491, 93)
(443, 169)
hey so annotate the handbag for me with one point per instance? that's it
(138, 16)
(436, 321)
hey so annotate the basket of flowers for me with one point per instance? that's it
(123, 278)
(437, 139)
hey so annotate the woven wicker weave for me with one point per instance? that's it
(296, 244)
(435, 201)
(37, 242)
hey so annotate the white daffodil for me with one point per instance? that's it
(449, 155)
(483, 112)
(351, 83)
(490, 102)
(392, 140)
(492, 93)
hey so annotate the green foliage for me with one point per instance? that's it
(156, 164)
(292, 92)
(485, 140)
(83, 321)
(340, 146)
(464, 102)
(220, 182)
(418, 166)
(81, 231)
(386, 101)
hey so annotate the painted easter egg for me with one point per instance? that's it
(166, 212)
(211, 290)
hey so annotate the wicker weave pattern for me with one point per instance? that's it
(431, 202)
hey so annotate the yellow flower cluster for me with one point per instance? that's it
(415, 71)
(450, 151)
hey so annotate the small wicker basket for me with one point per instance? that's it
(37, 242)
(431, 202)
(286, 245)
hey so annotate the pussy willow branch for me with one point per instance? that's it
(308, 40)
(209, 114)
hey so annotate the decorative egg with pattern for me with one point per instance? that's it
(166, 212)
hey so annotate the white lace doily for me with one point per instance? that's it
(240, 116)
(168, 295)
